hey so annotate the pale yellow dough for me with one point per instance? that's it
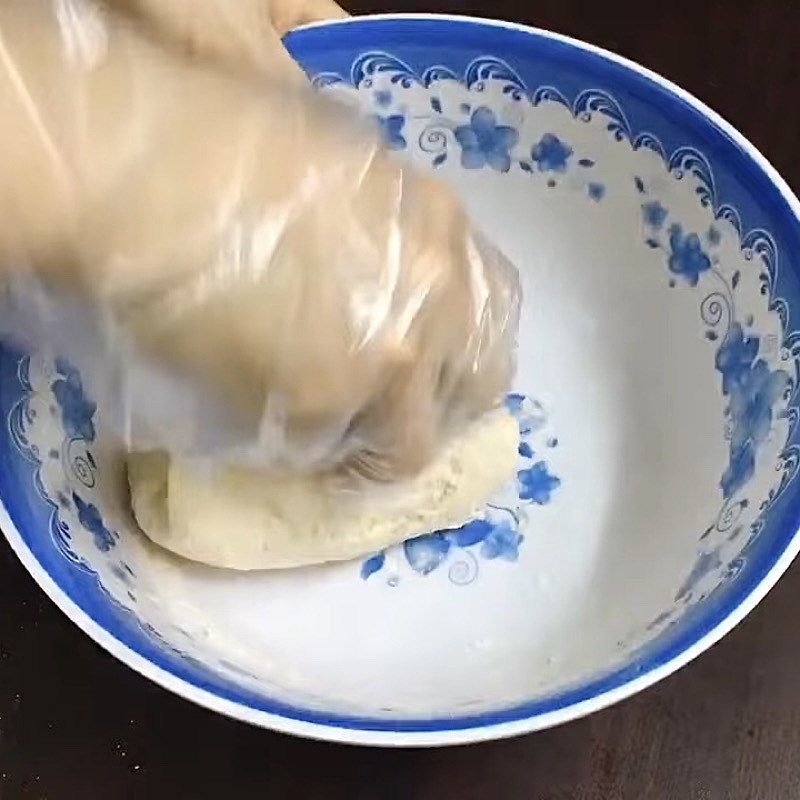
(246, 520)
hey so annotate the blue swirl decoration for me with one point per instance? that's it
(648, 141)
(594, 101)
(485, 69)
(549, 94)
(325, 80)
(731, 215)
(438, 73)
(688, 161)
(368, 66)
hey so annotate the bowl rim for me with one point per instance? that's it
(490, 730)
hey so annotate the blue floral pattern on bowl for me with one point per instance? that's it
(687, 257)
(392, 130)
(77, 411)
(757, 394)
(752, 348)
(753, 388)
(90, 518)
(53, 408)
(496, 534)
(551, 154)
(484, 142)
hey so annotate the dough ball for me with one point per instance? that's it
(246, 519)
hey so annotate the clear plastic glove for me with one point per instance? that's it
(270, 288)
(243, 35)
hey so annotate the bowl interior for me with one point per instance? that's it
(657, 368)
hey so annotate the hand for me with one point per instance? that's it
(237, 34)
(249, 236)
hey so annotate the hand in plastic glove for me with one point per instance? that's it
(338, 308)
(235, 34)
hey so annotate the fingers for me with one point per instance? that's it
(401, 428)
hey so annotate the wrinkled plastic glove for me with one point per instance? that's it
(265, 285)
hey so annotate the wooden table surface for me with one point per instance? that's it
(75, 723)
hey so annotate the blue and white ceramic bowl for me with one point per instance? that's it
(655, 503)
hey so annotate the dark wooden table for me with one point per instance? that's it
(75, 723)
